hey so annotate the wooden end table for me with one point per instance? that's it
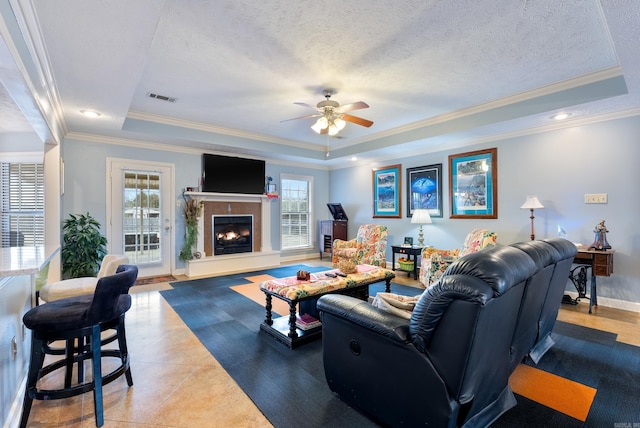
(413, 251)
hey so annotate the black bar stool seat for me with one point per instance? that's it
(79, 321)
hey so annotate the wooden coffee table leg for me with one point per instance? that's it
(268, 320)
(292, 320)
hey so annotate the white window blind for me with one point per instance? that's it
(22, 214)
(295, 203)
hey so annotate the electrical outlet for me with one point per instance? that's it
(595, 198)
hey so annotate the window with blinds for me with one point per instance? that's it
(295, 206)
(22, 204)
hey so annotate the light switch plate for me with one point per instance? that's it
(595, 198)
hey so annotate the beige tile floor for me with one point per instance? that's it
(177, 383)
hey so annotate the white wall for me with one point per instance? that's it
(559, 167)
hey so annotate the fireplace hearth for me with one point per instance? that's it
(232, 234)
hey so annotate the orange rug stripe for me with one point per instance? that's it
(252, 291)
(555, 392)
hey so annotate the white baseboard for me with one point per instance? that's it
(232, 263)
(612, 303)
(301, 257)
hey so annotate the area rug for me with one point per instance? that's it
(596, 375)
(154, 279)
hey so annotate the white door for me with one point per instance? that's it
(140, 224)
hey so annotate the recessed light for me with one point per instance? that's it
(90, 113)
(353, 158)
(560, 116)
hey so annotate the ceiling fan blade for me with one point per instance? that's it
(357, 120)
(302, 117)
(353, 106)
(308, 106)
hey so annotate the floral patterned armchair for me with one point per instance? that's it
(434, 262)
(368, 248)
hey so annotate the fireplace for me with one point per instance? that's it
(232, 234)
(261, 255)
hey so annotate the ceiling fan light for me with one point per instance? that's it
(323, 122)
(333, 129)
(316, 126)
(340, 124)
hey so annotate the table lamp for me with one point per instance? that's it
(421, 217)
(532, 203)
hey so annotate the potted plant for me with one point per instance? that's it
(83, 246)
(192, 211)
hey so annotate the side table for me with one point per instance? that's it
(601, 264)
(413, 253)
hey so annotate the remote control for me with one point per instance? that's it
(331, 275)
(344, 275)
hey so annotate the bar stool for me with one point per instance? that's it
(78, 321)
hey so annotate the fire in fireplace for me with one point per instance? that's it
(232, 234)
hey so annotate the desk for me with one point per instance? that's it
(601, 264)
(409, 251)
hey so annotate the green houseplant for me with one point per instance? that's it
(192, 211)
(83, 246)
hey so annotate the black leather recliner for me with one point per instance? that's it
(545, 257)
(449, 364)
(557, 285)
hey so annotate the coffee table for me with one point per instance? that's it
(294, 291)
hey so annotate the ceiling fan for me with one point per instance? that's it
(332, 116)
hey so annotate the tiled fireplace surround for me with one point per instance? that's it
(233, 204)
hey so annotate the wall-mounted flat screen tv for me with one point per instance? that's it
(228, 174)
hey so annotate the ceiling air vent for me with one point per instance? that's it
(162, 97)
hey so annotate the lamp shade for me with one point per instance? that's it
(421, 217)
(532, 203)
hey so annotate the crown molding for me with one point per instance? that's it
(44, 92)
(164, 120)
(167, 147)
(586, 79)
(460, 143)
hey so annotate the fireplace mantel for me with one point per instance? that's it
(214, 265)
(226, 197)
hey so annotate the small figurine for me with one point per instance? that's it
(600, 240)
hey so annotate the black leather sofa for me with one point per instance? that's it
(449, 364)
(553, 299)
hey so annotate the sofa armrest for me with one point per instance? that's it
(366, 316)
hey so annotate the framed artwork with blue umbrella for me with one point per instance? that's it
(424, 189)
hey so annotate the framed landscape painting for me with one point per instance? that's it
(424, 189)
(473, 184)
(386, 192)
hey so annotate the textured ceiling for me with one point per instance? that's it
(432, 72)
